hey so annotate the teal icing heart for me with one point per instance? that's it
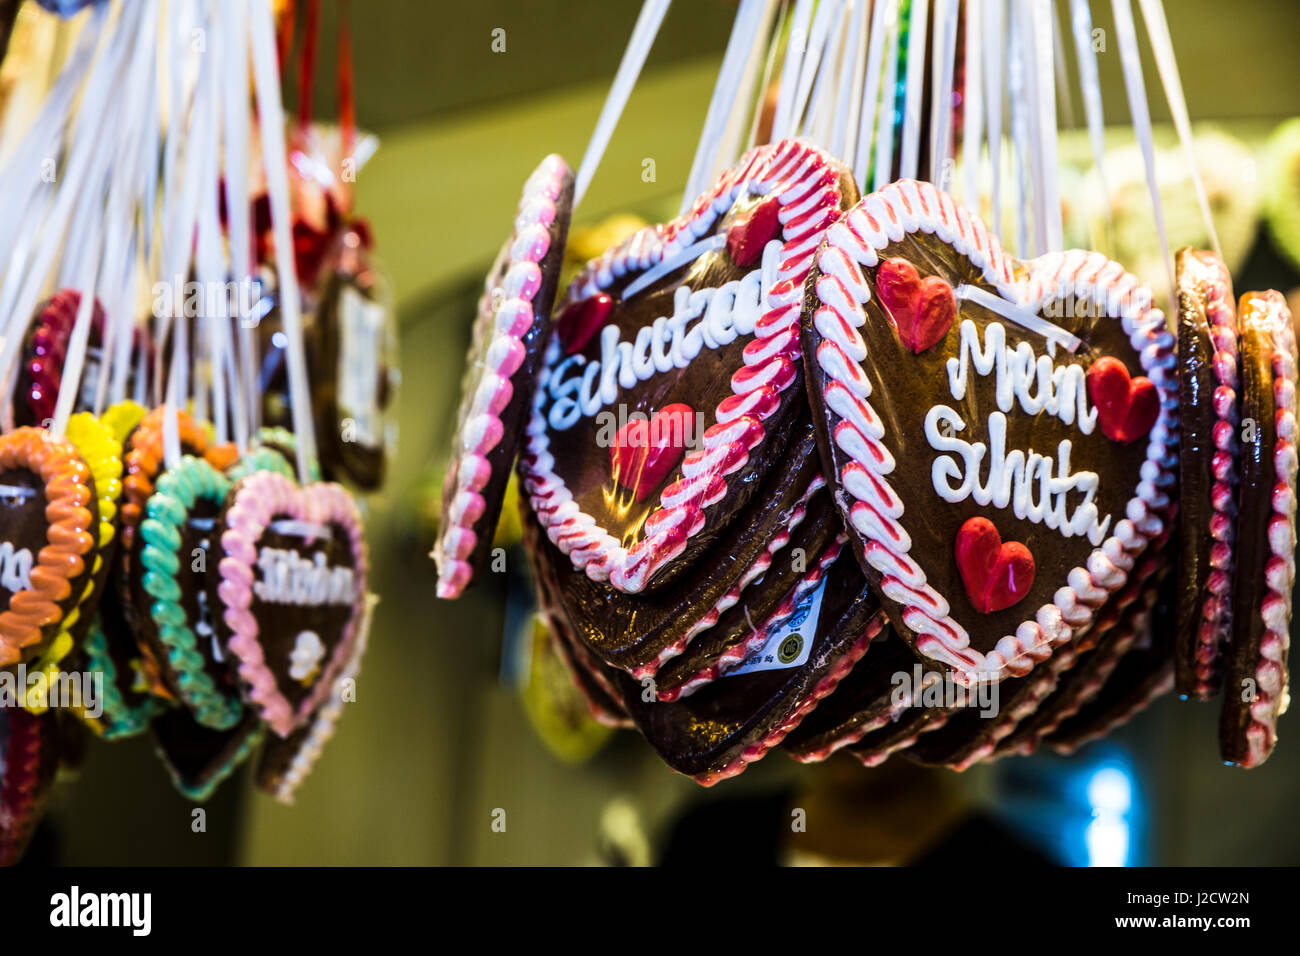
(178, 533)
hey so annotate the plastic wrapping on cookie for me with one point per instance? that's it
(71, 513)
(733, 595)
(861, 430)
(797, 193)
(735, 654)
(513, 316)
(253, 504)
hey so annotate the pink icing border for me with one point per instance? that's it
(877, 757)
(737, 653)
(1279, 574)
(1216, 609)
(728, 600)
(823, 689)
(512, 319)
(885, 217)
(806, 183)
(1139, 622)
(259, 498)
(324, 722)
(1159, 689)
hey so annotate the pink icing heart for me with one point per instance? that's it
(645, 451)
(290, 599)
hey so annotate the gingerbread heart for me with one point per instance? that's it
(1000, 418)
(176, 561)
(702, 311)
(1255, 683)
(28, 762)
(144, 463)
(1208, 386)
(49, 520)
(291, 591)
(508, 338)
(102, 453)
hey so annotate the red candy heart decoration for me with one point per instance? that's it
(922, 309)
(645, 450)
(997, 575)
(750, 234)
(581, 320)
(1126, 407)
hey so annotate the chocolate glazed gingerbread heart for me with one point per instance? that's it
(292, 590)
(48, 522)
(998, 471)
(1207, 487)
(1255, 685)
(177, 562)
(703, 313)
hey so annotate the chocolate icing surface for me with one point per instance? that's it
(627, 630)
(707, 731)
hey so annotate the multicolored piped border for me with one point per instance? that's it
(1203, 275)
(49, 347)
(179, 489)
(70, 540)
(881, 219)
(806, 183)
(260, 459)
(254, 502)
(103, 454)
(507, 313)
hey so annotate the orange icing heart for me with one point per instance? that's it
(34, 612)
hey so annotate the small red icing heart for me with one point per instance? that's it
(581, 320)
(645, 451)
(750, 234)
(1126, 407)
(996, 575)
(922, 310)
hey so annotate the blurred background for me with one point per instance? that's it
(440, 743)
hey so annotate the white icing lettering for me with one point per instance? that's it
(1061, 390)
(703, 318)
(289, 578)
(1012, 477)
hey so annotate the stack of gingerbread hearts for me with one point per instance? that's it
(168, 564)
(809, 472)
